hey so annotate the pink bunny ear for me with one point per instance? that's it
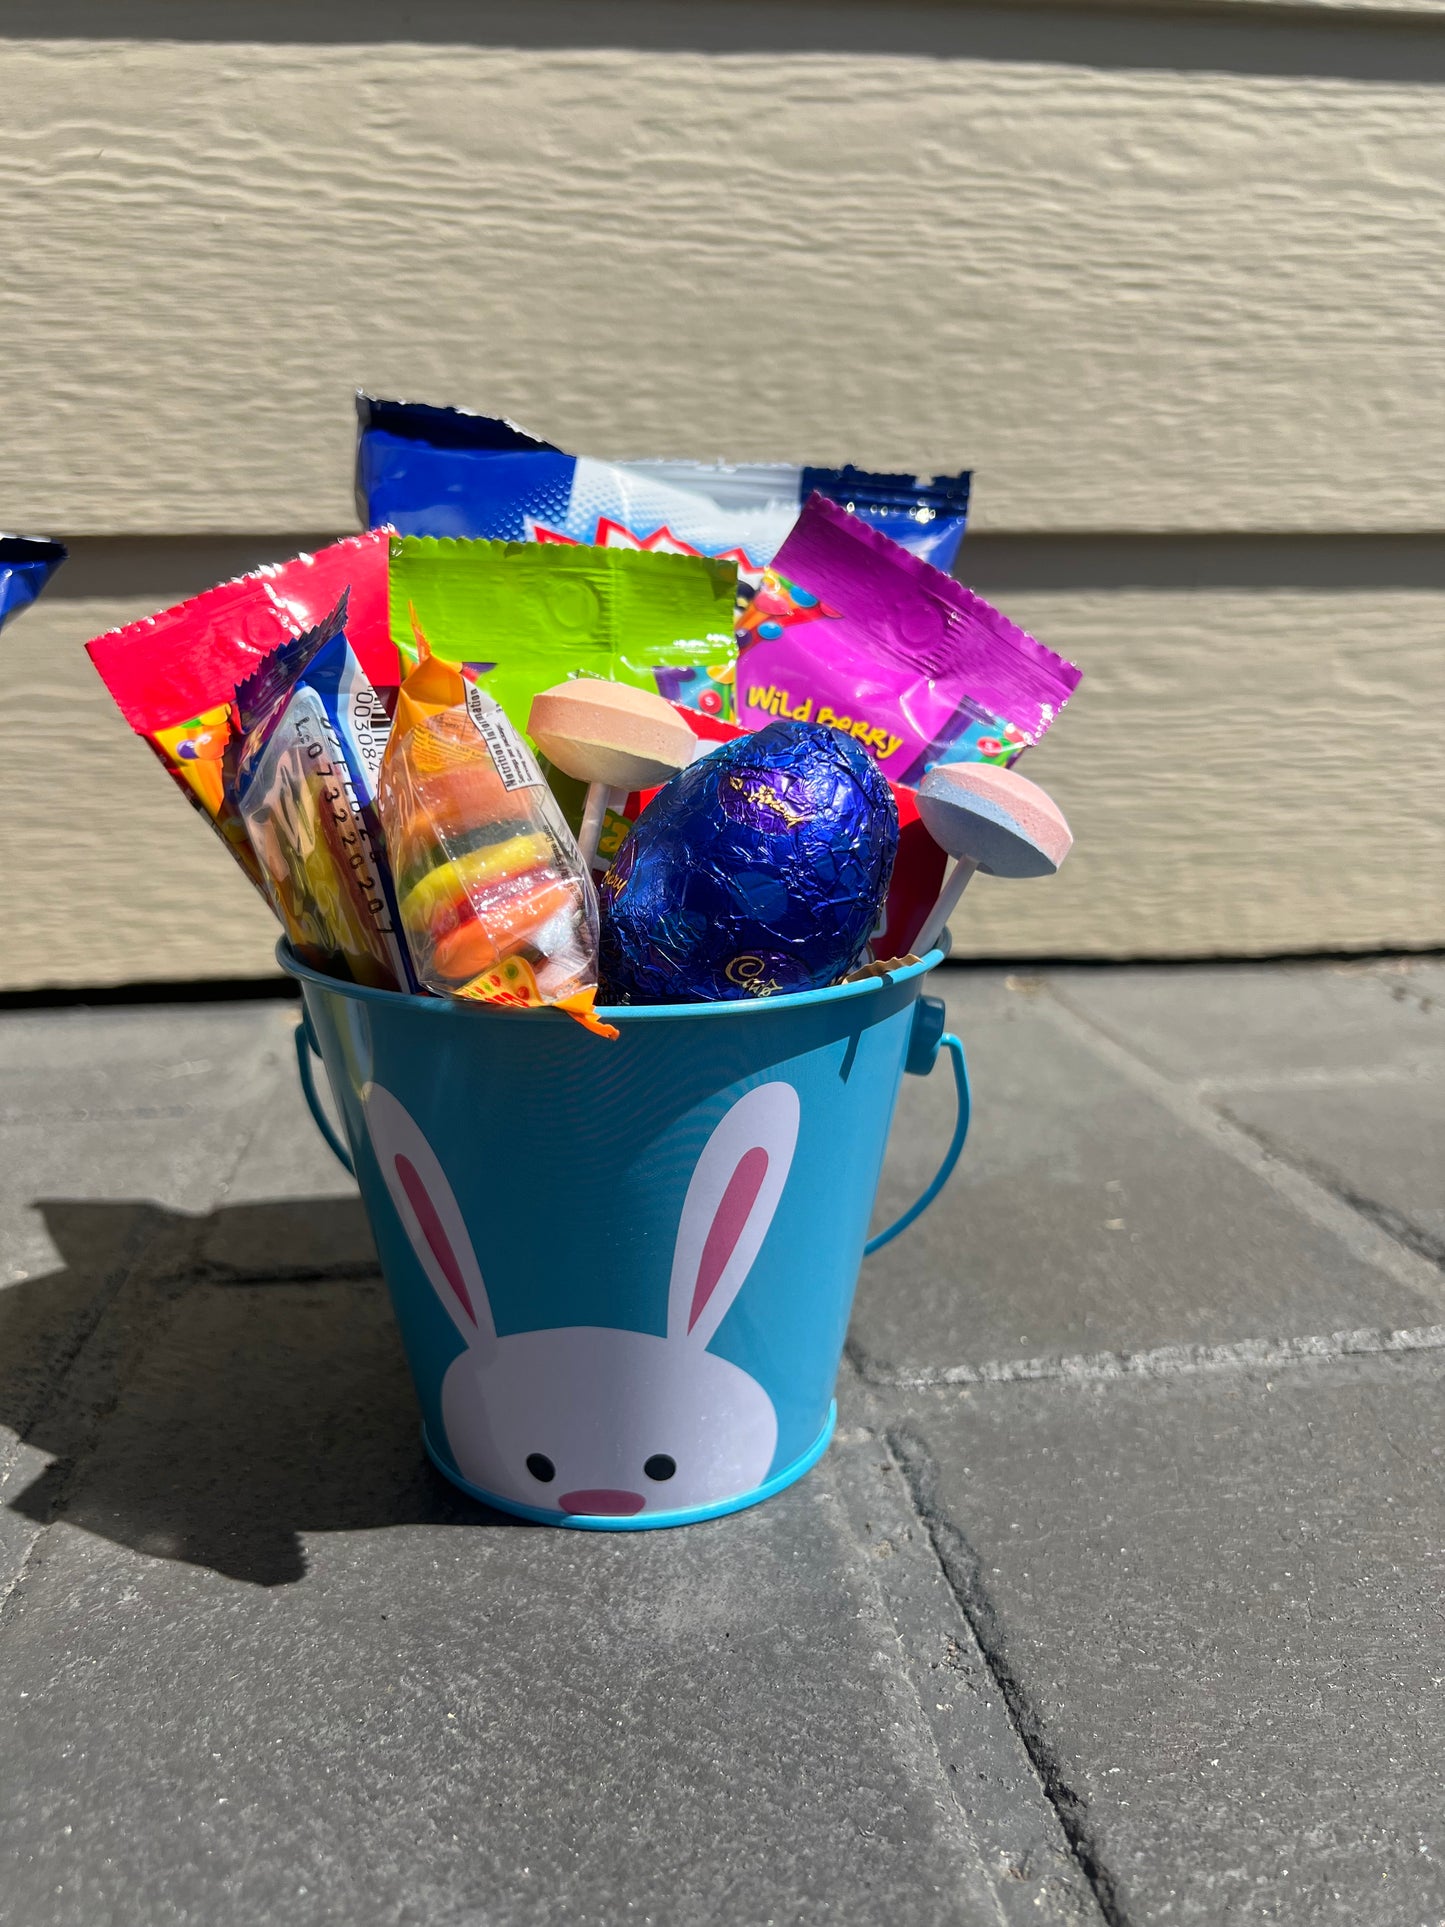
(430, 1214)
(728, 1208)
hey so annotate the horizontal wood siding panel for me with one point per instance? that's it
(1133, 299)
(1244, 772)
(709, 25)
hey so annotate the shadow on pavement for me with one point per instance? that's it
(213, 1389)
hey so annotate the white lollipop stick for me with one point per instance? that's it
(990, 820)
(600, 799)
(953, 889)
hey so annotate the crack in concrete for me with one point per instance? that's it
(962, 1569)
(1361, 1232)
(849, 1452)
(1162, 1361)
(210, 1271)
(984, 1768)
(1390, 1222)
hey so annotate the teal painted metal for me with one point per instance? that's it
(623, 1270)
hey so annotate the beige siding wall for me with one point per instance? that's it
(1150, 274)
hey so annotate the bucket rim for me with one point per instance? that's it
(615, 1013)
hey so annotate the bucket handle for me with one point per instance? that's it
(928, 1039)
(306, 1049)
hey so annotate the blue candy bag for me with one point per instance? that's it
(441, 471)
(27, 563)
(304, 778)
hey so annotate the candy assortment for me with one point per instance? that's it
(750, 698)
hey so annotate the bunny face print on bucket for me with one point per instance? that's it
(596, 1421)
(622, 1274)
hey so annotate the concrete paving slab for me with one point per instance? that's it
(50, 1301)
(83, 1202)
(145, 1103)
(1021, 1838)
(1087, 1215)
(1380, 1145)
(179, 1163)
(271, 1668)
(106, 1179)
(291, 1211)
(1218, 1604)
(128, 1061)
(267, 1665)
(1250, 1020)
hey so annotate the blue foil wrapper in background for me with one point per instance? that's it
(27, 563)
(759, 870)
(443, 471)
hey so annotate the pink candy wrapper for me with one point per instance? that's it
(852, 631)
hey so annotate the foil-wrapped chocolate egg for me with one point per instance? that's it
(758, 870)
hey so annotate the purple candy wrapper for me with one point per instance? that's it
(852, 631)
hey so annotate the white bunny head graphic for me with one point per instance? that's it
(593, 1419)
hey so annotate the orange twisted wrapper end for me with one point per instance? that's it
(580, 1007)
(493, 895)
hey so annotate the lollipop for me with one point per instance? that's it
(991, 820)
(612, 737)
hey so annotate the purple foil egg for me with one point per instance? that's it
(759, 870)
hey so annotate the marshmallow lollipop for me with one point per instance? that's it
(990, 820)
(612, 737)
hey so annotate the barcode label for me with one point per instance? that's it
(372, 726)
(516, 765)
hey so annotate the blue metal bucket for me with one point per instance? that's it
(623, 1270)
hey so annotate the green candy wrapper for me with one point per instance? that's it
(537, 613)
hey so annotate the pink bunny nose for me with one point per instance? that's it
(603, 1500)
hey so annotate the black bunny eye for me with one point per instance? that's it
(542, 1468)
(660, 1467)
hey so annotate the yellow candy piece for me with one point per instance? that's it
(456, 880)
